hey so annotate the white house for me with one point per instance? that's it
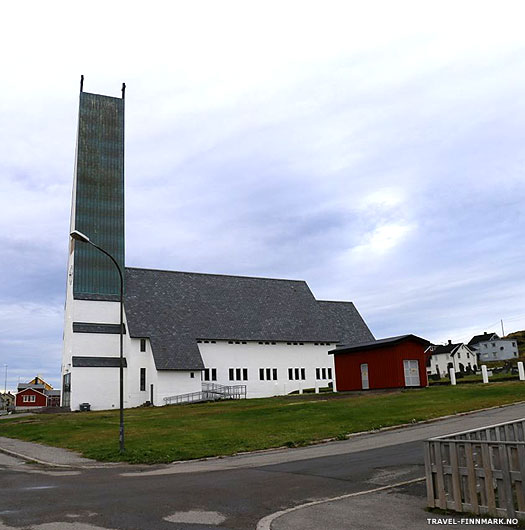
(490, 347)
(445, 356)
(181, 328)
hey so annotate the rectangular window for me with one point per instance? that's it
(324, 373)
(317, 373)
(329, 373)
(275, 374)
(297, 374)
(214, 374)
(142, 344)
(268, 374)
(206, 374)
(303, 374)
(142, 379)
(25, 399)
(290, 374)
(245, 374)
(238, 374)
(232, 377)
(261, 374)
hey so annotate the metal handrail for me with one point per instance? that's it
(214, 392)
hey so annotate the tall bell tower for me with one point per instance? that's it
(97, 210)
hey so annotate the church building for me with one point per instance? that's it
(182, 330)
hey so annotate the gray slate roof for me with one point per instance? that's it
(481, 338)
(174, 309)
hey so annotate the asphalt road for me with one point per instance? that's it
(232, 493)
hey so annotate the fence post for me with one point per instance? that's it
(484, 373)
(521, 371)
(452, 374)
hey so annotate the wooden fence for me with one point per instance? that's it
(481, 471)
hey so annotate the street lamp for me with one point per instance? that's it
(79, 236)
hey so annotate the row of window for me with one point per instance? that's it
(28, 399)
(241, 374)
(323, 373)
(267, 374)
(200, 341)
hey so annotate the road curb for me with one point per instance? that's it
(266, 522)
(32, 459)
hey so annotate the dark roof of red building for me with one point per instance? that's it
(380, 343)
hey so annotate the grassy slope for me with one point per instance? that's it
(172, 433)
(519, 337)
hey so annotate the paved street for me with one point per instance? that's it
(235, 492)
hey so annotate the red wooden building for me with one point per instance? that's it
(36, 394)
(30, 398)
(395, 362)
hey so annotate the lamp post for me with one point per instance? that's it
(5, 380)
(79, 236)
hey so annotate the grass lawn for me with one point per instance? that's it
(165, 434)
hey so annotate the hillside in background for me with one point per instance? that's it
(519, 337)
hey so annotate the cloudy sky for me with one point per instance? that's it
(373, 149)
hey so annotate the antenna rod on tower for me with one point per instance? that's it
(123, 90)
(81, 83)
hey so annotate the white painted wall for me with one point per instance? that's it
(280, 355)
(175, 382)
(100, 386)
(462, 355)
(497, 350)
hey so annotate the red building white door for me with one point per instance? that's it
(364, 377)
(411, 372)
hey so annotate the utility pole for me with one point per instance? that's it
(5, 380)
(502, 331)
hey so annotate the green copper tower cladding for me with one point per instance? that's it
(98, 209)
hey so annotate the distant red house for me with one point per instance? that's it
(395, 362)
(36, 394)
(30, 398)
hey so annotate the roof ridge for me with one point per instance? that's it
(337, 301)
(216, 274)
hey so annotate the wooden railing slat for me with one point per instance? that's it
(431, 495)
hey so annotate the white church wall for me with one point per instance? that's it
(99, 387)
(136, 360)
(96, 311)
(175, 382)
(281, 356)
